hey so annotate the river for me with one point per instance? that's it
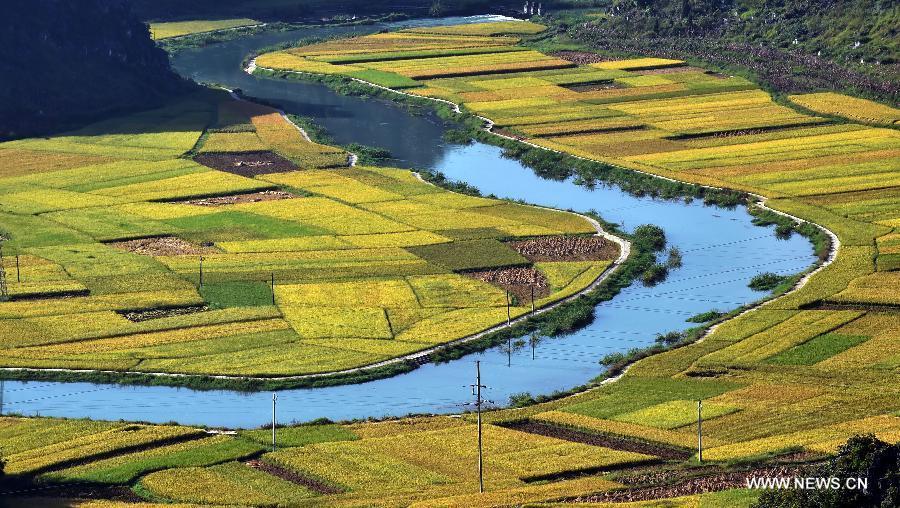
(722, 250)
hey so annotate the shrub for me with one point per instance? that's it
(767, 281)
(650, 237)
(861, 457)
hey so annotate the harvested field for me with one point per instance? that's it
(593, 87)
(247, 164)
(604, 440)
(693, 486)
(293, 477)
(579, 57)
(517, 280)
(565, 248)
(252, 197)
(162, 246)
(678, 70)
(146, 315)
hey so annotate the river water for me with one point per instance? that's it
(722, 250)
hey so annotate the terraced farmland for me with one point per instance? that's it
(316, 465)
(805, 371)
(265, 255)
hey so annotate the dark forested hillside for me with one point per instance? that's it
(294, 10)
(845, 29)
(790, 45)
(65, 62)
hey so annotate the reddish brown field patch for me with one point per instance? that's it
(604, 440)
(252, 197)
(698, 485)
(161, 246)
(593, 87)
(580, 57)
(136, 316)
(566, 248)
(293, 477)
(518, 280)
(247, 164)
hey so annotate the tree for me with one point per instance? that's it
(861, 457)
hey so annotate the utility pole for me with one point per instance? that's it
(4, 293)
(18, 273)
(700, 430)
(201, 271)
(476, 390)
(273, 288)
(274, 398)
(533, 340)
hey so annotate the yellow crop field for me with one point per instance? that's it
(361, 258)
(662, 117)
(854, 108)
(161, 31)
(638, 63)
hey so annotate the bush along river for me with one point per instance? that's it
(721, 251)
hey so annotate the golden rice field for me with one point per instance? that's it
(863, 110)
(374, 464)
(366, 263)
(112, 221)
(805, 371)
(159, 31)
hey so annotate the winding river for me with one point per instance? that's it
(722, 250)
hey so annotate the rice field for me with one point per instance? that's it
(160, 31)
(148, 261)
(369, 264)
(849, 107)
(807, 370)
(367, 464)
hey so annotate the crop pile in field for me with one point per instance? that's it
(523, 283)
(566, 248)
(161, 246)
(254, 197)
(297, 269)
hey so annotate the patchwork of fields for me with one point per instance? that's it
(123, 254)
(803, 372)
(379, 464)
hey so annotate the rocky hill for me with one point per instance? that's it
(64, 63)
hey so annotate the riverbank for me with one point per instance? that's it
(706, 281)
(808, 170)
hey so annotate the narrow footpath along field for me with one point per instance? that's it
(801, 373)
(151, 243)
